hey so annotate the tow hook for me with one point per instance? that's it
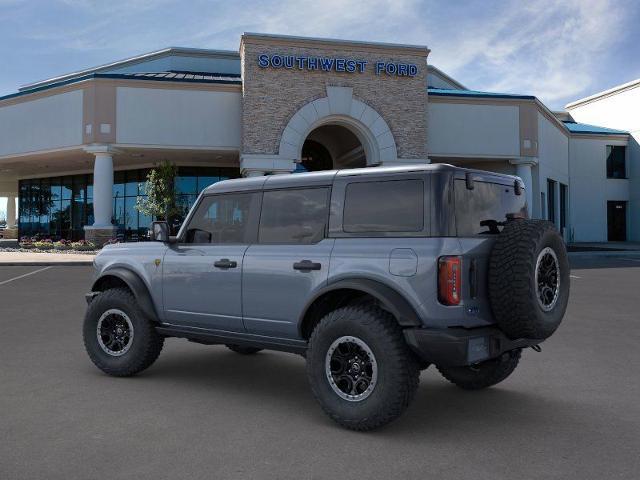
(536, 348)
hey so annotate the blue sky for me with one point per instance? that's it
(557, 50)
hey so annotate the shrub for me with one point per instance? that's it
(62, 245)
(83, 246)
(43, 244)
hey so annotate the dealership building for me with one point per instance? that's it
(75, 149)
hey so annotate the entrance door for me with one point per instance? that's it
(289, 262)
(617, 221)
(202, 273)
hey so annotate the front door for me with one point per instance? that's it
(617, 221)
(202, 273)
(290, 260)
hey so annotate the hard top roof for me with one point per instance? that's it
(326, 177)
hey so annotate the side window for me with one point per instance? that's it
(227, 218)
(296, 216)
(389, 206)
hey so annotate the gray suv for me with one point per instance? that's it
(371, 274)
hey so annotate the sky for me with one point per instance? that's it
(557, 50)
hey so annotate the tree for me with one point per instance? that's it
(160, 200)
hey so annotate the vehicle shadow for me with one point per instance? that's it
(276, 383)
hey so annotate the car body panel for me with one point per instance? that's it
(199, 294)
(273, 293)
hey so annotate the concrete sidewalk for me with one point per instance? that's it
(37, 259)
(604, 247)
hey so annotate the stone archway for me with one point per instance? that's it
(339, 108)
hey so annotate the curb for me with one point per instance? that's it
(81, 263)
(606, 253)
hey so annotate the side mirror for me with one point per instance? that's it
(159, 232)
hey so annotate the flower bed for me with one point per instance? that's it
(46, 245)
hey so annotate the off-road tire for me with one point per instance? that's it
(398, 372)
(482, 375)
(145, 346)
(513, 291)
(242, 350)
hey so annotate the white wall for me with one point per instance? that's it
(190, 118)
(465, 129)
(553, 164)
(42, 124)
(620, 111)
(590, 189)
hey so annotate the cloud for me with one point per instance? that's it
(557, 50)
(551, 49)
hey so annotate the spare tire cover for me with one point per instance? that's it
(529, 279)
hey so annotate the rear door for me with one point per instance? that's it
(290, 260)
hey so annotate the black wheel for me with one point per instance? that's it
(529, 279)
(241, 349)
(482, 375)
(118, 337)
(360, 369)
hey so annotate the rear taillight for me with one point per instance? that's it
(449, 280)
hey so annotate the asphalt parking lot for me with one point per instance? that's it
(570, 412)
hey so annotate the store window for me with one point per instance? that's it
(616, 161)
(60, 207)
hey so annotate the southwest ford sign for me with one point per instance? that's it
(334, 64)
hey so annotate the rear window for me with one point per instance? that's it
(389, 206)
(481, 210)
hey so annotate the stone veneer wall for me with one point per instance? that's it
(271, 96)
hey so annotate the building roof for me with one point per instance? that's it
(171, 76)
(604, 93)
(436, 71)
(475, 93)
(174, 75)
(165, 52)
(584, 128)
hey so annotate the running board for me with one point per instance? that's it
(221, 337)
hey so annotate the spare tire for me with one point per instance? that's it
(529, 279)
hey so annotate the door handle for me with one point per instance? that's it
(225, 263)
(307, 265)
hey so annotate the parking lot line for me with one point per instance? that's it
(25, 275)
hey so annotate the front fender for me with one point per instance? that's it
(136, 285)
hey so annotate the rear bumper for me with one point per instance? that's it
(460, 346)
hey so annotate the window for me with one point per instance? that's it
(563, 206)
(551, 200)
(59, 207)
(294, 216)
(616, 164)
(229, 218)
(479, 211)
(391, 206)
